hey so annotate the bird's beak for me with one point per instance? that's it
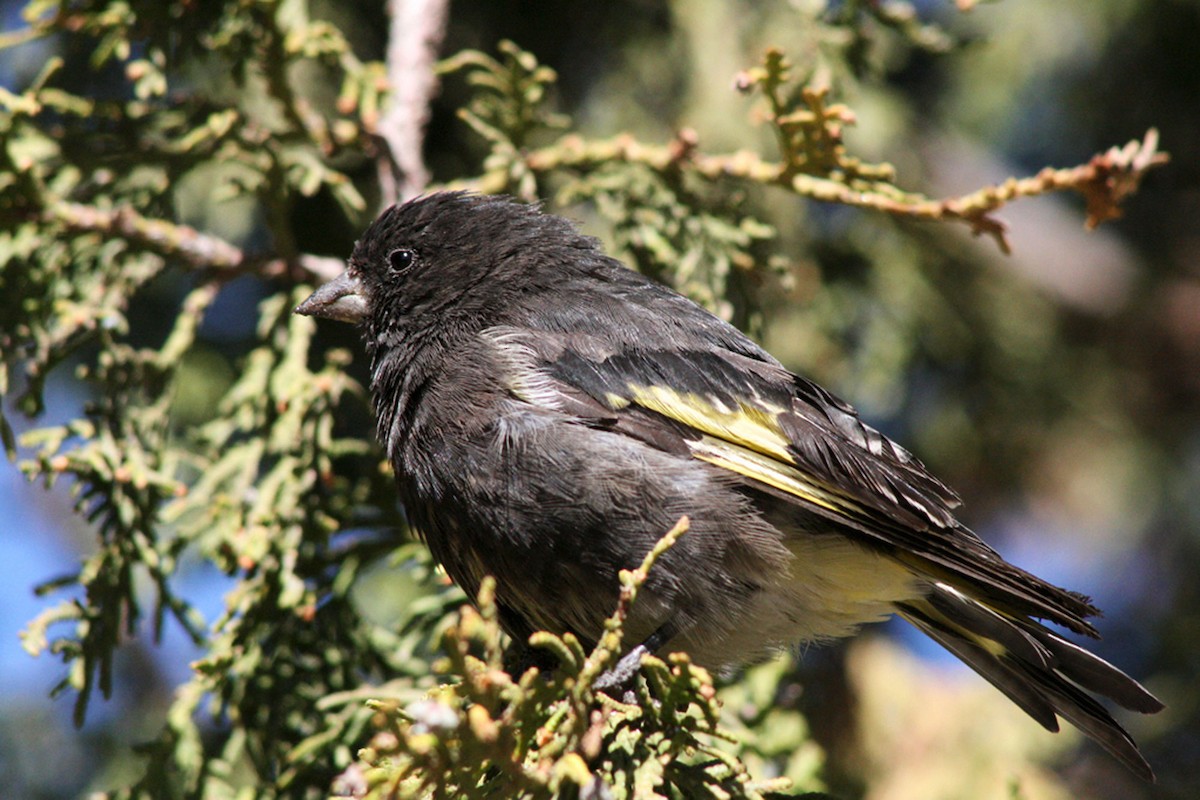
(341, 299)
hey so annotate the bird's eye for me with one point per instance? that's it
(401, 259)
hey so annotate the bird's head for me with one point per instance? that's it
(449, 260)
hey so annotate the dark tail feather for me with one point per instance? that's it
(1095, 674)
(1042, 673)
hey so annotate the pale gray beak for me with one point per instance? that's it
(340, 299)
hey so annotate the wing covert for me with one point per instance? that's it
(729, 397)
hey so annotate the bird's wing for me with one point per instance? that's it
(781, 434)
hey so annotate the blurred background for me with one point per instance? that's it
(1058, 389)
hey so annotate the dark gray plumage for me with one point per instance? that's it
(550, 414)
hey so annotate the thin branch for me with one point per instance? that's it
(1104, 181)
(155, 235)
(322, 268)
(182, 242)
(414, 37)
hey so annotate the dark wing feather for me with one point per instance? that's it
(780, 433)
(825, 435)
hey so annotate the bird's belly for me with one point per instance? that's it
(832, 587)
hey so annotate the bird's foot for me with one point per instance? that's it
(619, 679)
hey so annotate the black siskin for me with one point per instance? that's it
(551, 413)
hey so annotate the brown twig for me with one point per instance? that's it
(182, 242)
(156, 235)
(414, 36)
(1104, 181)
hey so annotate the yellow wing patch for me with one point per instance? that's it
(615, 401)
(751, 427)
(769, 471)
(747, 440)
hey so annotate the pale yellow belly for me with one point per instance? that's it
(832, 587)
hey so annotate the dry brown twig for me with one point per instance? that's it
(414, 37)
(1104, 181)
(168, 239)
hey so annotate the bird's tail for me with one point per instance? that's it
(1047, 676)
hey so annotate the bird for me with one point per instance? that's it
(550, 413)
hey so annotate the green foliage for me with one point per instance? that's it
(509, 110)
(304, 684)
(545, 736)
